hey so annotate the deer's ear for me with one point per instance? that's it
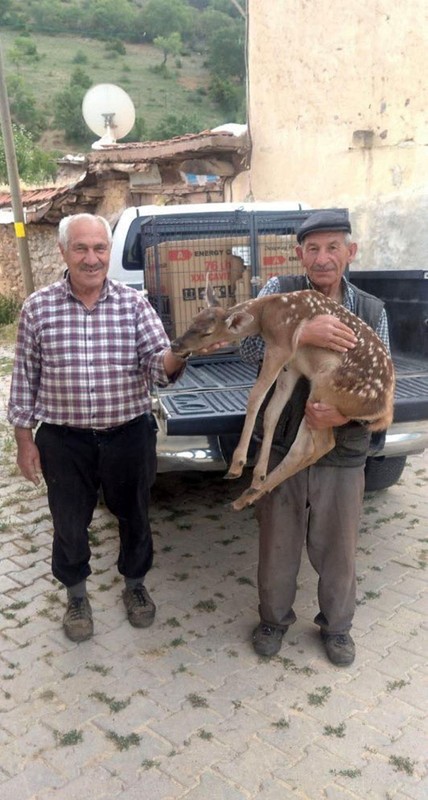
(239, 322)
(210, 298)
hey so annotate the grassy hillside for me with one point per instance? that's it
(183, 92)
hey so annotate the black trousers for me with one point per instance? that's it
(75, 464)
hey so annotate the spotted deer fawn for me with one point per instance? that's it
(359, 383)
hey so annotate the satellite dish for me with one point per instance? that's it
(109, 112)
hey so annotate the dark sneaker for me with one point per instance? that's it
(340, 648)
(77, 622)
(267, 639)
(139, 606)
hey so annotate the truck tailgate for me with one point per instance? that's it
(211, 396)
(411, 394)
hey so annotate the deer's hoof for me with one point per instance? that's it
(232, 475)
(247, 498)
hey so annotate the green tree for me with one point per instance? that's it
(170, 45)
(68, 108)
(5, 7)
(163, 17)
(80, 78)
(51, 16)
(111, 18)
(229, 96)
(138, 133)
(171, 126)
(68, 115)
(34, 164)
(24, 49)
(226, 52)
(23, 108)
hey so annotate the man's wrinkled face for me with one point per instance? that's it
(324, 256)
(87, 256)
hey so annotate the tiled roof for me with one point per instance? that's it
(196, 143)
(34, 197)
(124, 156)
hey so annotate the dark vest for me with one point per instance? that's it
(352, 440)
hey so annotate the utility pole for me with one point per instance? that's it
(15, 189)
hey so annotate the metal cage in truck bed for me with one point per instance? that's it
(169, 252)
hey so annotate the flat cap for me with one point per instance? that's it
(324, 221)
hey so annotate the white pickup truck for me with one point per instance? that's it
(167, 251)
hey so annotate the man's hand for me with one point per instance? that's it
(173, 362)
(28, 459)
(320, 415)
(206, 351)
(326, 330)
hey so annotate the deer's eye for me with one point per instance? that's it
(204, 335)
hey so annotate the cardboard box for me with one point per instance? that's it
(181, 273)
(175, 276)
(277, 256)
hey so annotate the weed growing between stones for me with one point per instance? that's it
(196, 700)
(100, 668)
(339, 731)
(392, 685)
(69, 738)
(114, 705)
(402, 764)
(347, 773)
(123, 742)
(319, 697)
(206, 605)
(281, 723)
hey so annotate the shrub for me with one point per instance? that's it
(116, 46)
(79, 58)
(9, 309)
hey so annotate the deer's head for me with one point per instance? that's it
(211, 326)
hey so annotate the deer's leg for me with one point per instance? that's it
(285, 384)
(274, 360)
(308, 446)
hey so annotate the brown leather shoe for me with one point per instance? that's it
(139, 606)
(340, 648)
(267, 639)
(77, 623)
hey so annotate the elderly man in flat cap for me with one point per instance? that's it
(320, 505)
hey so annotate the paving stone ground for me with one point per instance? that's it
(185, 709)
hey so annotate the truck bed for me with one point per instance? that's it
(199, 403)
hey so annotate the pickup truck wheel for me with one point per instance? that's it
(381, 473)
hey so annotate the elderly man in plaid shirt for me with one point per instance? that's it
(88, 351)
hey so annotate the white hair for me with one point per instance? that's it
(64, 226)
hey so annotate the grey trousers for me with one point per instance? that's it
(320, 506)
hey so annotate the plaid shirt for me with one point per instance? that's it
(86, 368)
(253, 347)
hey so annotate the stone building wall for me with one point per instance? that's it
(338, 116)
(107, 198)
(45, 258)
